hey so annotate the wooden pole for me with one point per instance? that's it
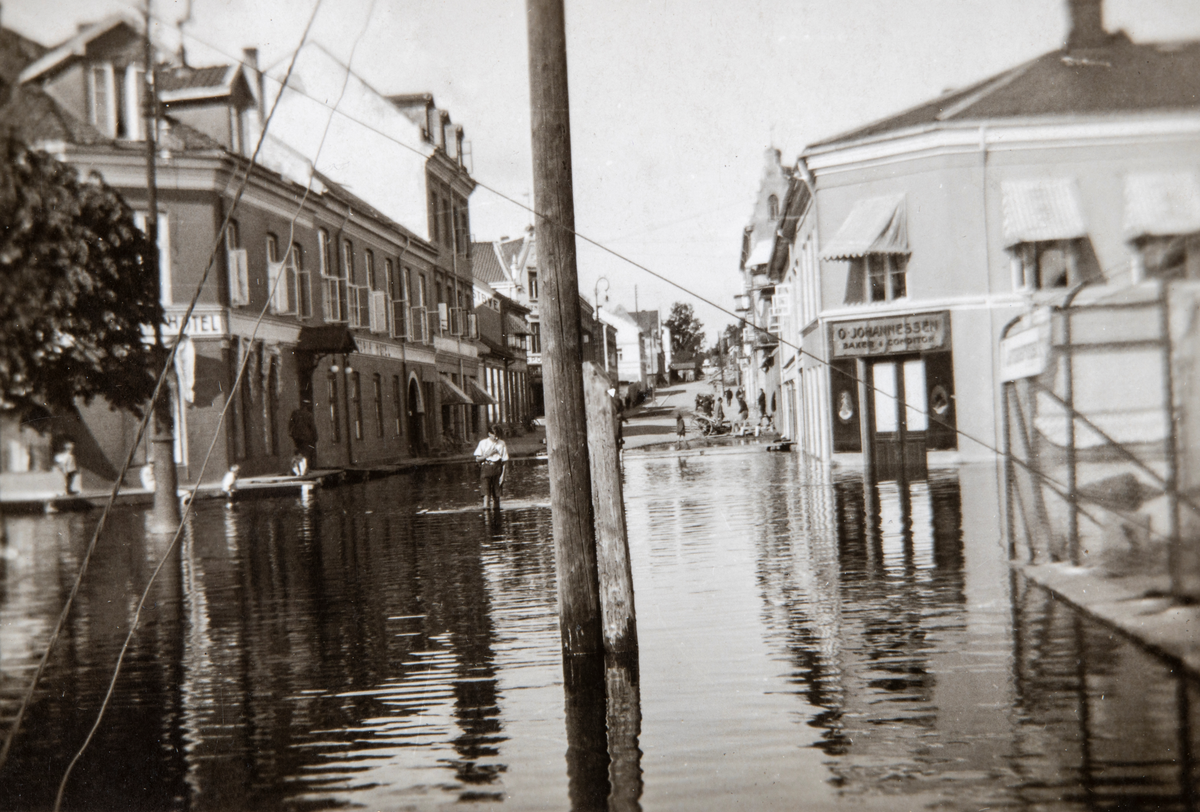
(164, 516)
(608, 506)
(562, 370)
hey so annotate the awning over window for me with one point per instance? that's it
(515, 325)
(326, 339)
(1041, 210)
(1160, 204)
(451, 395)
(479, 395)
(876, 225)
(760, 254)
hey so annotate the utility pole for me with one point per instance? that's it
(164, 516)
(562, 364)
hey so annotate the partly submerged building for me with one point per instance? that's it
(325, 302)
(918, 238)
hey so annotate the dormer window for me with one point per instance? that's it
(102, 91)
(115, 100)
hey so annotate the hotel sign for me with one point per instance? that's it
(890, 335)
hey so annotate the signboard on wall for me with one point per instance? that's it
(890, 335)
(1023, 354)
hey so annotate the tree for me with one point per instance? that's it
(687, 333)
(75, 289)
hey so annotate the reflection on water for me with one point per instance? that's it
(806, 641)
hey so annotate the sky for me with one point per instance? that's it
(673, 102)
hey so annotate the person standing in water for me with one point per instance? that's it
(491, 454)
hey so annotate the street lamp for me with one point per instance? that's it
(600, 322)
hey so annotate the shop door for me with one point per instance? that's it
(899, 434)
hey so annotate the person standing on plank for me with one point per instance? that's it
(491, 454)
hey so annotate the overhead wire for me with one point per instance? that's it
(139, 434)
(1058, 487)
(279, 279)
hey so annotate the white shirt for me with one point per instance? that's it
(490, 450)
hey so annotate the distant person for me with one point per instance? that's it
(65, 461)
(680, 426)
(762, 403)
(302, 428)
(728, 397)
(491, 454)
(229, 481)
(743, 409)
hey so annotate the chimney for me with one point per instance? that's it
(1085, 25)
(250, 59)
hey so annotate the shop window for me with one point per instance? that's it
(843, 389)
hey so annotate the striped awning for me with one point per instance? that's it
(1041, 210)
(876, 225)
(1161, 204)
(451, 394)
(479, 395)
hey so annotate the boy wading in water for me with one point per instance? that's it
(491, 453)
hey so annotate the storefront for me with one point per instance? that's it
(876, 366)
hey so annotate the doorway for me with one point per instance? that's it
(900, 418)
(416, 420)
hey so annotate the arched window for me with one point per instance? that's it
(773, 205)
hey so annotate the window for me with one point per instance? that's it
(773, 207)
(238, 265)
(1165, 257)
(303, 281)
(877, 278)
(164, 252)
(422, 291)
(102, 89)
(1044, 265)
(131, 126)
(397, 403)
(277, 277)
(535, 337)
(435, 208)
(377, 380)
(333, 281)
(533, 286)
(355, 394)
(335, 413)
(398, 283)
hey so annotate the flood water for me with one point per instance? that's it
(806, 643)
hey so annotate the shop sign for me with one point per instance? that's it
(1024, 354)
(378, 348)
(891, 335)
(200, 324)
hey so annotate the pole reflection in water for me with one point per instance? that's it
(805, 640)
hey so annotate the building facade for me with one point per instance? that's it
(321, 302)
(931, 230)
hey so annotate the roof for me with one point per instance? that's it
(77, 45)
(37, 117)
(1120, 77)
(647, 320)
(187, 84)
(485, 265)
(16, 52)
